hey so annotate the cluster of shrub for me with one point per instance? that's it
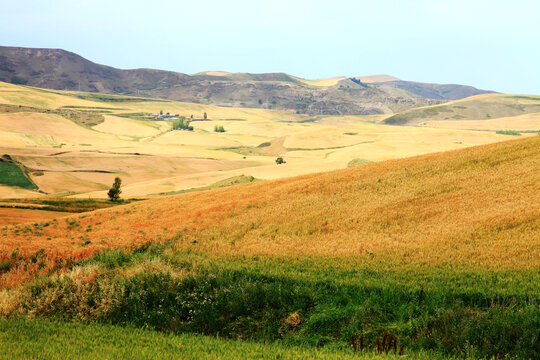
(170, 295)
(182, 124)
(508, 132)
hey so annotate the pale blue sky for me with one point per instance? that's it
(490, 44)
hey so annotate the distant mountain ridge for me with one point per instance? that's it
(438, 91)
(63, 70)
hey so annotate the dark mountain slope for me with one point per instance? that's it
(438, 91)
(63, 70)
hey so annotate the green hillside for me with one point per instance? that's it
(11, 174)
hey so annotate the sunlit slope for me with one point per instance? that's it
(495, 111)
(473, 208)
(53, 99)
(521, 123)
(324, 82)
(377, 78)
(66, 155)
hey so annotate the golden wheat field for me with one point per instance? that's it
(470, 208)
(10, 216)
(66, 155)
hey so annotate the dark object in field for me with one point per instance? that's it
(385, 346)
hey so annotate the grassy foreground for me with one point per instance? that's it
(57, 340)
(310, 302)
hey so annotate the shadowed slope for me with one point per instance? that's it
(437, 91)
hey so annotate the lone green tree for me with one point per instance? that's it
(280, 160)
(114, 192)
(205, 116)
(219, 128)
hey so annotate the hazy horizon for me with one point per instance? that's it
(486, 44)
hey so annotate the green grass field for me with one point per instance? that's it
(12, 175)
(60, 340)
(440, 311)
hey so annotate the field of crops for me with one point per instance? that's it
(440, 251)
(12, 175)
(76, 144)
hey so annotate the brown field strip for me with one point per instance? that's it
(10, 216)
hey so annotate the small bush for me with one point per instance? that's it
(508, 132)
(219, 128)
(5, 265)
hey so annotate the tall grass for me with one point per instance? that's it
(58, 340)
(256, 299)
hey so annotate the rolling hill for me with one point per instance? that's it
(63, 70)
(437, 91)
(487, 112)
(387, 198)
(440, 250)
(75, 144)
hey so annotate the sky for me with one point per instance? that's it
(491, 44)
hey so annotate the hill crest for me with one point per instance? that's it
(63, 70)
